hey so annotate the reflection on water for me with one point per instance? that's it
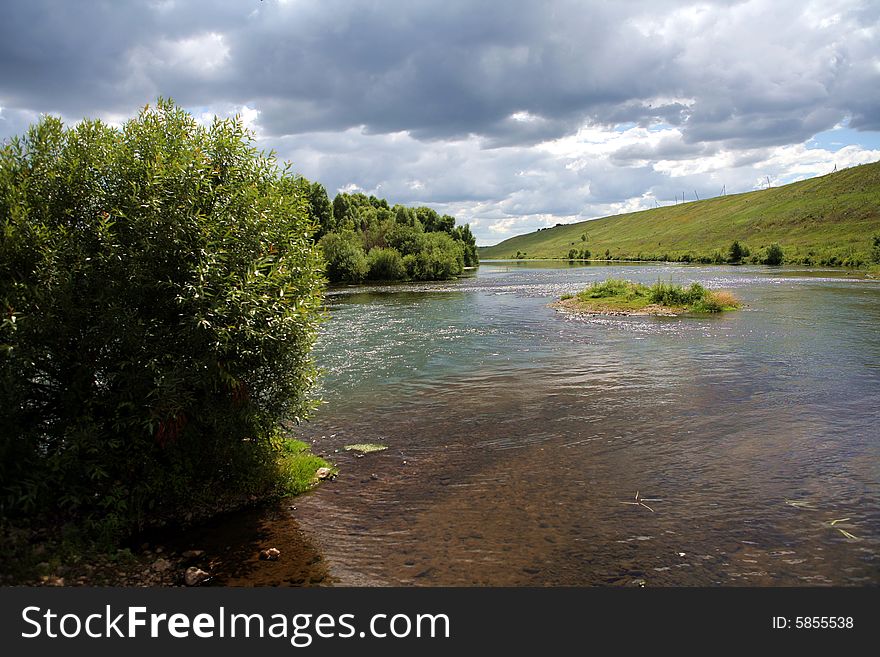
(517, 435)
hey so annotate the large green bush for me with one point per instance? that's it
(159, 291)
(385, 264)
(439, 258)
(345, 258)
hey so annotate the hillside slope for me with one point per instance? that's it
(824, 220)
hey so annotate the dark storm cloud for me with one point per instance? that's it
(447, 70)
(453, 103)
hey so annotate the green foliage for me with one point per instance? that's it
(160, 292)
(774, 255)
(736, 253)
(875, 249)
(614, 287)
(439, 258)
(346, 261)
(321, 209)
(469, 245)
(414, 243)
(622, 295)
(404, 238)
(297, 467)
(668, 294)
(385, 264)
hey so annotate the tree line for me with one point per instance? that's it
(364, 238)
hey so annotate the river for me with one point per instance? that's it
(518, 437)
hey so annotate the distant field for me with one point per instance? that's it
(828, 220)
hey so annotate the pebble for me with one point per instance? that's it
(194, 576)
(161, 565)
(270, 554)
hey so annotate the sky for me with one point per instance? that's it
(511, 115)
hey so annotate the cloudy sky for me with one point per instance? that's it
(509, 115)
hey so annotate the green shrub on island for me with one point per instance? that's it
(615, 295)
(346, 261)
(362, 238)
(385, 264)
(160, 291)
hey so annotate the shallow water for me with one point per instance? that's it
(517, 435)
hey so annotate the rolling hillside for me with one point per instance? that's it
(824, 220)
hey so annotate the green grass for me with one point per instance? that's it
(620, 296)
(297, 467)
(827, 220)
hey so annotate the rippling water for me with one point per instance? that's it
(517, 435)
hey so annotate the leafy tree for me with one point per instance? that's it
(342, 212)
(736, 253)
(440, 257)
(469, 243)
(385, 265)
(774, 255)
(322, 210)
(429, 218)
(160, 291)
(406, 216)
(346, 261)
(875, 249)
(404, 238)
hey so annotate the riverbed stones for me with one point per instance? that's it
(194, 576)
(270, 554)
(161, 565)
(193, 554)
(323, 473)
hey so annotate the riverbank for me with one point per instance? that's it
(192, 550)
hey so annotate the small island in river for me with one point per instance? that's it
(620, 297)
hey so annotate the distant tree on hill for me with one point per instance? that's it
(736, 253)
(875, 251)
(774, 255)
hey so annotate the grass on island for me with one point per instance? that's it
(298, 467)
(615, 296)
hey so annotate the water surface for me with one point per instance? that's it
(517, 435)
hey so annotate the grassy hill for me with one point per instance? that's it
(826, 220)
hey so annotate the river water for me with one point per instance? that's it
(518, 437)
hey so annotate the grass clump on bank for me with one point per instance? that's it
(614, 296)
(298, 466)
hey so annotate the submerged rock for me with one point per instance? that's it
(365, 448)
(194, 576)
(271, 554)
